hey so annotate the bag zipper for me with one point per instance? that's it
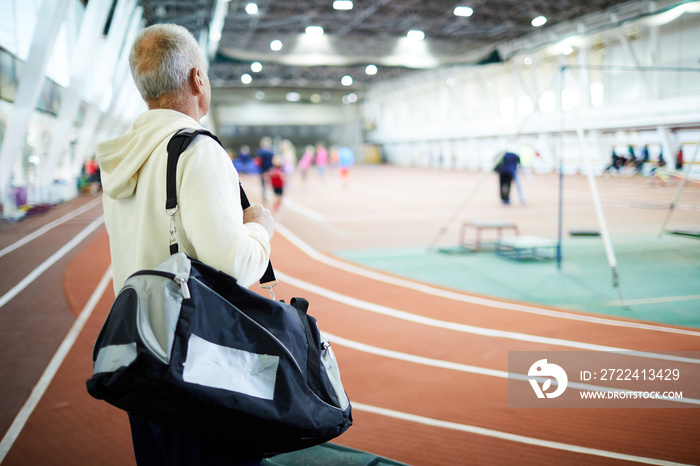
(180, 280)
(326, 347)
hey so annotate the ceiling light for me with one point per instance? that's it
(314, 31)
(251, 9)
(350, 98)
(528, 61)
(246, 79)
(463, 11)
(371, 70)
(567, 49)
(346, 80)
(415, 35)
(276, 45)
(315, 97)
(256, 67)
(260, 95)
(539, 21)
(293, 96)
(342, 5)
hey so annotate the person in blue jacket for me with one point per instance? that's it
(507, 169)
(264, 160)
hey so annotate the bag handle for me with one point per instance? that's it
(176, 146)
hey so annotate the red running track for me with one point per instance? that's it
(402, 350)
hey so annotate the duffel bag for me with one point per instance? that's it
(186, 347)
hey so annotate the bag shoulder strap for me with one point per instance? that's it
(313, 364)
(176, 146)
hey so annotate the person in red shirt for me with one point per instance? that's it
(679, 159)
(277, 179)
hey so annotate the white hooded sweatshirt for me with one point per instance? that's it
(209, 222)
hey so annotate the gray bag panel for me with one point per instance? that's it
(110, 358)
(217, 366)
(333, 372)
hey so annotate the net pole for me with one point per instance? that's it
(602, 223)
(561, 213)
(677, 196)
(560, 155)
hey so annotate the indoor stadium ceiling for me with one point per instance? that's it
(372, 32)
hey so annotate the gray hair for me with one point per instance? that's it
(161, 59)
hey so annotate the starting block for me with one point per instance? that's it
(527, 247)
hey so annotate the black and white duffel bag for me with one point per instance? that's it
(186, 347)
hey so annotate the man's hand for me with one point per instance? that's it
(260, 215)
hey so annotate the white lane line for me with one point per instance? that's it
(34, 274)
(507, 436)
(416, 286)
(38, 392)
(455, 366)
(667, 299)
(314, 216)
(49, 226)
(422, 320)
(303, 210)
(365, 348)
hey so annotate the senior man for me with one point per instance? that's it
(169, 71)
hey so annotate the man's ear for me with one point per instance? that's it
(197, 81)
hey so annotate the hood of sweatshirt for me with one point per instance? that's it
(121, 158)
